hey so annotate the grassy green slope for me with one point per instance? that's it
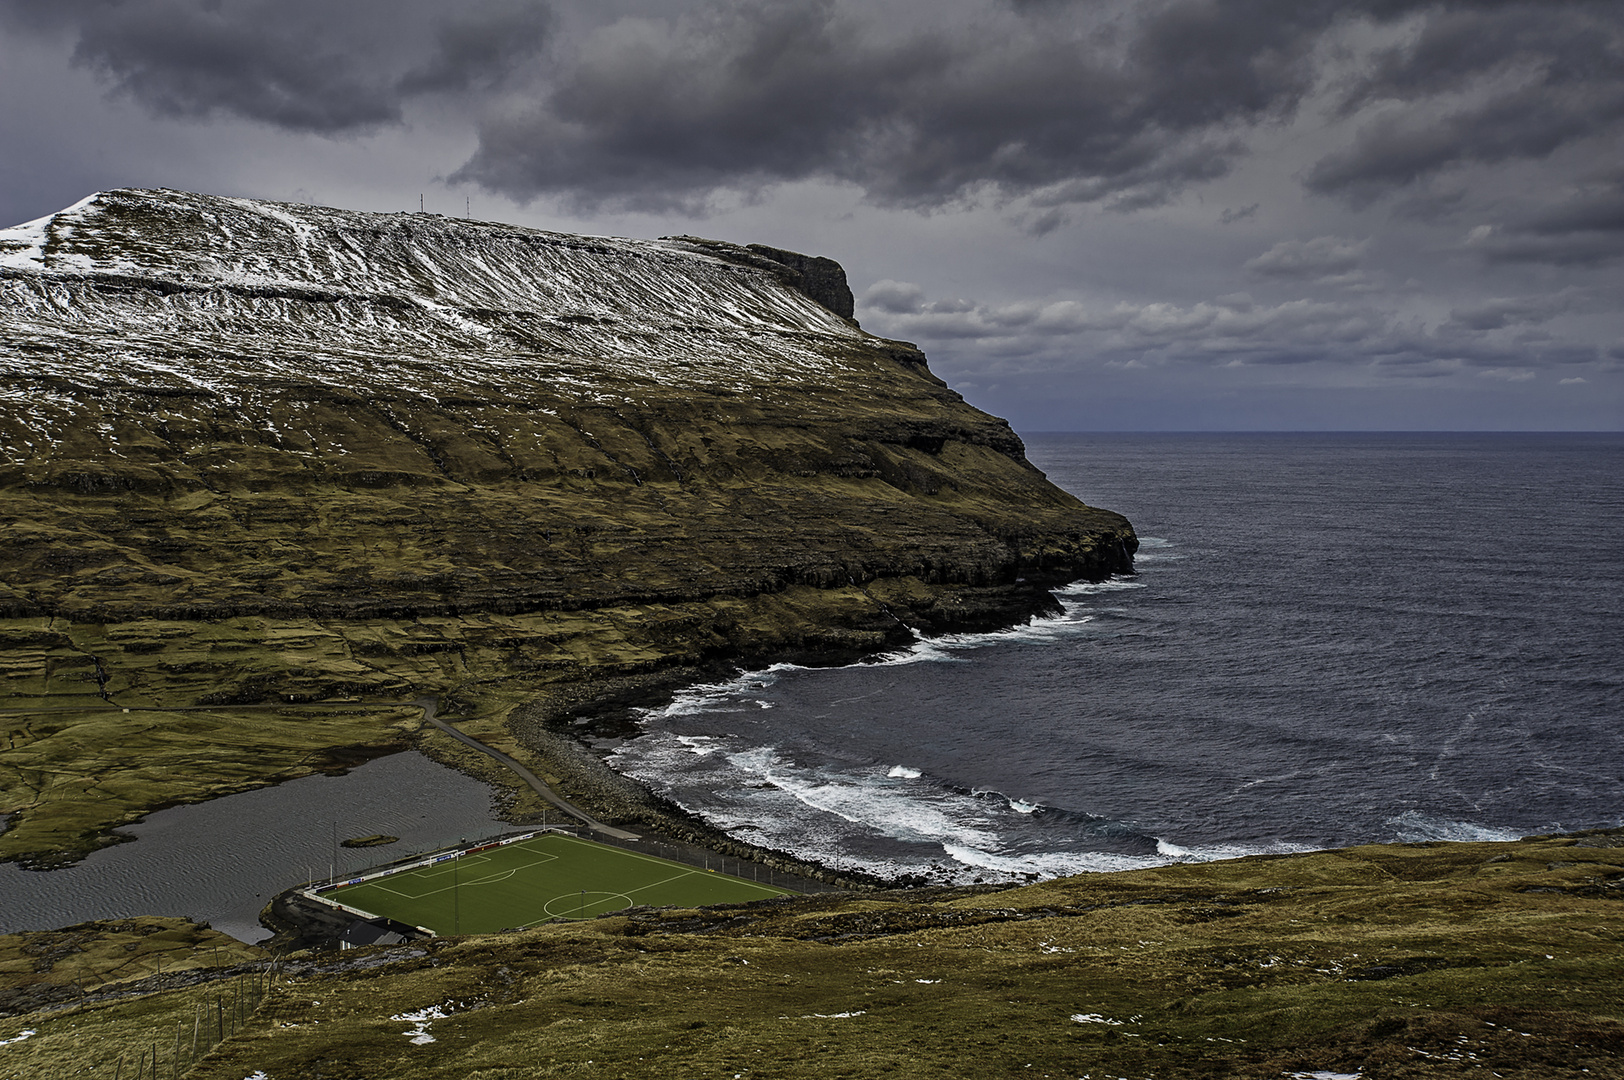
(1388, 961)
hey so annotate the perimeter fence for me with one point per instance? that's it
(213, 1022)
(705, 859)
(659, 847)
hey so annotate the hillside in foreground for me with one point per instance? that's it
(1385, 961)
(257, 455)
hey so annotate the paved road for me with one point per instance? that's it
(428, 706)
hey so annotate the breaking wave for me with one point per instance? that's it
(890, 821)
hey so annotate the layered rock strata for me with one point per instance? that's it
(256, 453)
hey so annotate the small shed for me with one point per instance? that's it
(374, 932)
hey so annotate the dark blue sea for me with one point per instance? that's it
(1329, 640)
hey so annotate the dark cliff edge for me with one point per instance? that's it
(261, 455)
(813, 276)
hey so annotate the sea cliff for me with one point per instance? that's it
(255, 456)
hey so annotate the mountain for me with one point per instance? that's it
(256, 453)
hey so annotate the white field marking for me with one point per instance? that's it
(669, 880)
(459, 884)
(419, 872)
(439, 871)
(442, 867)
(666, 862)
(572, 898)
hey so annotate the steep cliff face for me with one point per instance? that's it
(256, 452)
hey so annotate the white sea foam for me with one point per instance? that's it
(862, 798)
(1413, 827)
(1171, 852)
(702, 745)
(885, 820)
(1154, 549)
(1047, 864)
(707, 697)
(942, 648)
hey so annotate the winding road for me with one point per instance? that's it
(428, 705)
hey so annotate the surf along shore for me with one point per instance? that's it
(272, 462)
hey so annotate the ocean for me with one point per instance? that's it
(1329, 640)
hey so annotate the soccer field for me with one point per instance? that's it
(545, 877)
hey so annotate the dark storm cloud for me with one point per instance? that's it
(302, 65)
(1476, 87)
(1586, 228)
(1058, 106)
(1059, 103)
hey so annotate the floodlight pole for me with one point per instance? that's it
(456, 902)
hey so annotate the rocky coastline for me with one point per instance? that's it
(268, 465)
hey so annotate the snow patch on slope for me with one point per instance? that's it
(167, 289)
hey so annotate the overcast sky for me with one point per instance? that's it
(1192, 214)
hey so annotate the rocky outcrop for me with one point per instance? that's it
(813, 276)
(256, 452)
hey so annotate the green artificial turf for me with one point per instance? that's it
(553, 876)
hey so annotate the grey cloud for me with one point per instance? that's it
(1584, 229)
(1236, 330)
(1522, 80)
(1320, 258)
(1582, 249)
(1230, 216)
(1564, 41)
(1497, 314)
(897, 297)
(1121, 104)
(302, 65)
(482, 46)
(663, 113)
(1532, 122)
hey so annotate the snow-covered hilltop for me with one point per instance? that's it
(132, 285)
